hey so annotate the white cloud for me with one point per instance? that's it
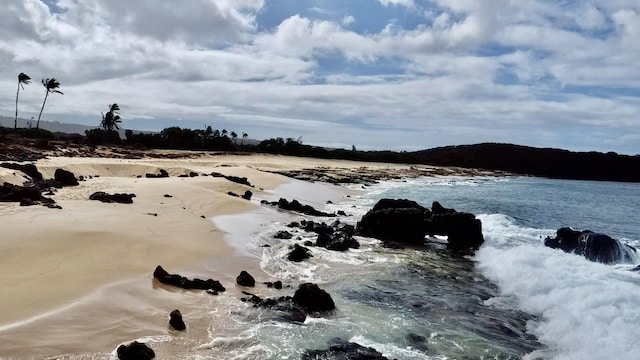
(348, 20)
(407, 3)
(495, 70)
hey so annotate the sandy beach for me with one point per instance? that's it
(73, 277)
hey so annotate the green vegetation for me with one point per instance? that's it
(111, 121)
(23, 79)
(51, 86)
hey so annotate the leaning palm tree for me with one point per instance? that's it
(52, 86)
(111, 121)
(23, 79)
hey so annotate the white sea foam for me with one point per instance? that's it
(587, 310)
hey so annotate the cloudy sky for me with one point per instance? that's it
(377, 74)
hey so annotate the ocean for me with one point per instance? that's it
(514, 299)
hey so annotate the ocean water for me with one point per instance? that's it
(515, 299)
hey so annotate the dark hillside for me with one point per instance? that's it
(553, 163)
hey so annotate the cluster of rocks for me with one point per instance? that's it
(406, 222)
(593, 246)
(31, 193)
(296, 206)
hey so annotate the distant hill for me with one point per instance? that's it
(545, 162)
(53, 126)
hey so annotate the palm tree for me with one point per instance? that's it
(23, 79)
(224, 132)
(112, 119)
(244, 136)
(234, 136)
(52, 86)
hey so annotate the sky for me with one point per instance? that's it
(376, 74)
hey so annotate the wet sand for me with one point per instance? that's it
(78, 280)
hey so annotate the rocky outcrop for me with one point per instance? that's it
(175, 320)
(212, 286)
(15, 193)
(405, 221)
(313, 299)
(343, 350)
(135, 351)
(247, 195)
(65, 178)
(28, 169)
(593, 246)
(296, 206)
(245, 279)
(112, 198)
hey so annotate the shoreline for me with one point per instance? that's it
(92, 260)
(65, 262)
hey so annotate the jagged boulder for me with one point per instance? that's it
(313, 299)
(65, 178)
(245, 279)
(135, 351)
(405, 225)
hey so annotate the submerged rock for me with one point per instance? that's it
(175, 320)
(299, 253)
(343, 350)
(135, 351)
(593, 246)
